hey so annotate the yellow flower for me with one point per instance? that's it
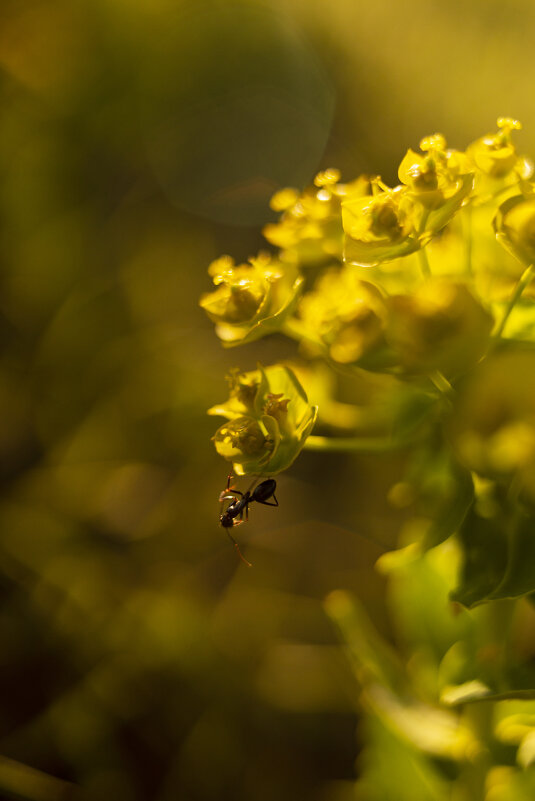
(439, 179)
(379, 227)
(269, 418)
(251, 299)
(495, 154)
(310, 228)
(246, 441)
(347, 314)
(493, 428)
(441, 326)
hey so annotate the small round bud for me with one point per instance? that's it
(327, 177)
(434, 142)
(495, 154)
(284, 199)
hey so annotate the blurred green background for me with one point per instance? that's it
(139, 140)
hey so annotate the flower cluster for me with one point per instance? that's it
(310, 228)
(427, 288)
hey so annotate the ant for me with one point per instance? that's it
(240, 505)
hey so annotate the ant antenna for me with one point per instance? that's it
(242, 557)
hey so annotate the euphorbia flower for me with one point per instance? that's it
(267, 427)
(251, 299)
(310, 228)
(347, 314)
(439, 180)
(441, 326)
(380, 227)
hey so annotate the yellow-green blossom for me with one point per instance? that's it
(269, 418)
(245, 440)
(348, 315)
(440, 326)
(496, 161)
(396, 222)
(493, 427)
(251, 299)
(379, 227)
(439, 181)
(310, 228)
(495, 153)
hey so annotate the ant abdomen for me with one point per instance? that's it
(264, 491)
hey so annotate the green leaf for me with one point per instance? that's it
(475, 691)
(418, 589)
(394, 770)
(499, 557)
(440, 488)
(448, 490)
(519, 575)
(372, 656)
(456, 501)
(484, 545)
(519, 785)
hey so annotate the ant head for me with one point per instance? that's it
(226, 520)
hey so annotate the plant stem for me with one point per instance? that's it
(524, 280)
(441, 383)
(468, 240)
(424, 263)
(473, 775)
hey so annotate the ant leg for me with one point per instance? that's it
(241, 520)
(242, 557)
(229, 493)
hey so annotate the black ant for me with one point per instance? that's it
(240, 505)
